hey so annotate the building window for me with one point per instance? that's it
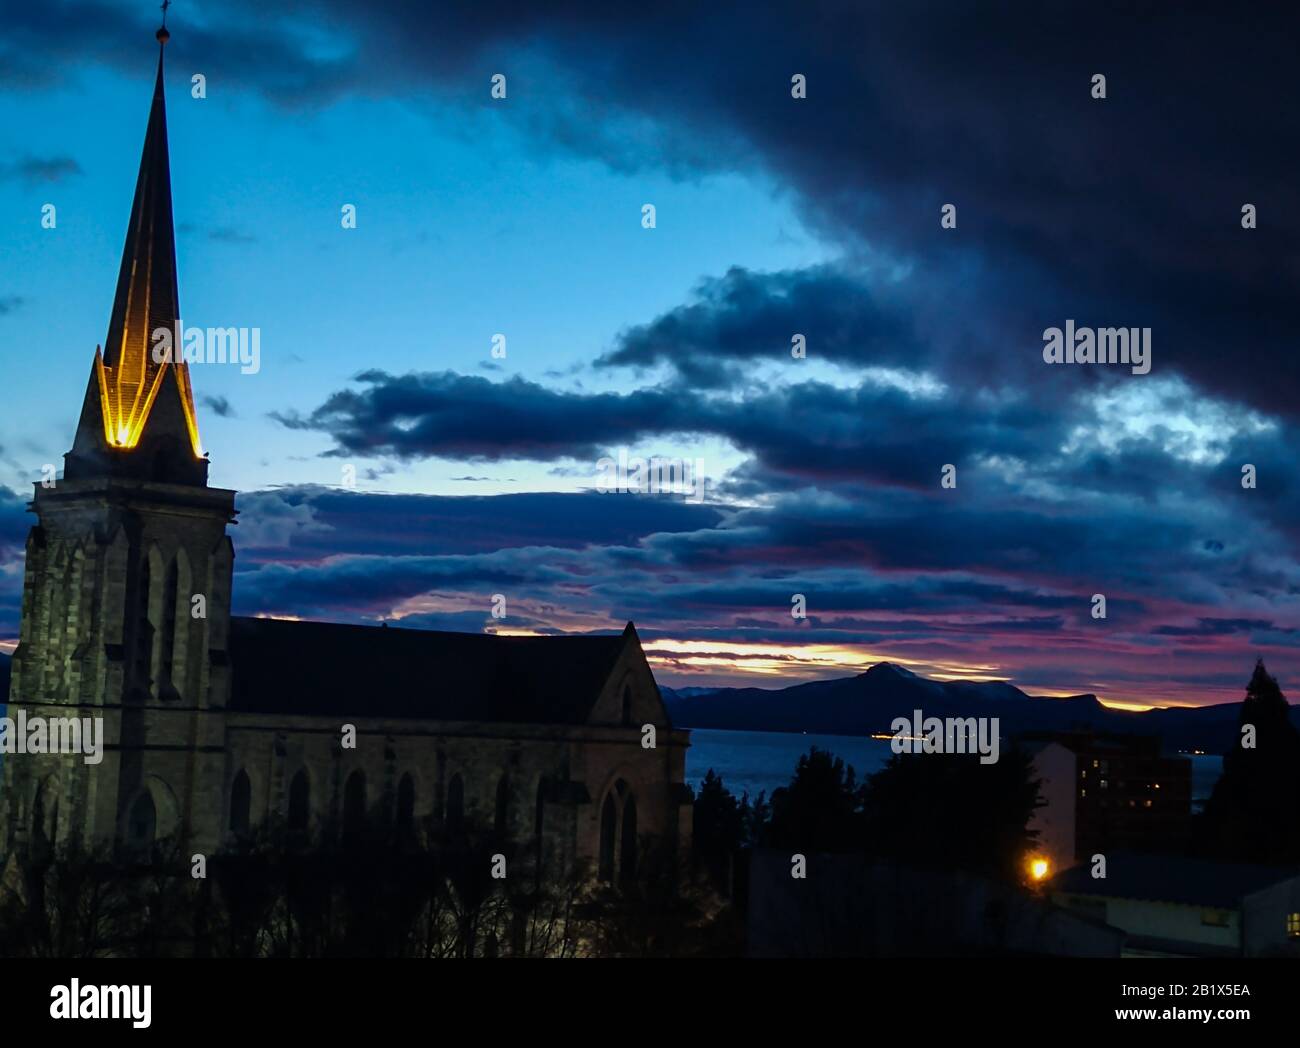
(627, 846)
(1103, 784)
(455, 804)
(1293, 925)
(406, 804)
(299, 801)
(502, 821)
(1216, 918)
(540, 814)
(143, 629)
(45, 823)
(608, 834)
(241, 796)
(354, 803)
(168, 640)
(142, 823)
(618, 835)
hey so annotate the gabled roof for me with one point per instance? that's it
(334, 670)
(1172, 878)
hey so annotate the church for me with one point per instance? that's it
(215, 726)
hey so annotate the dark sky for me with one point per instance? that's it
(775, 216)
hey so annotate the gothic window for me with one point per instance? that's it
(541, 807)
(299, 801)
(241, 797)
(627, 845)
(142, 823)
(627, 704)
(618, 835)
(608, 834)
(455, 803)
(354, 803)
(45, 812)
(406, 804)
(168, 621)
(38, 814)
(143, 628)
(502, 820)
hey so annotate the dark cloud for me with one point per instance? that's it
(219, 234)
(469, 417)
(312, 523)
(1219, 628)
(33, 170)
(745, 316)
(219, 406)
(810, 430)
(1117, 211)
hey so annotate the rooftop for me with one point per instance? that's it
(1171, 878)
(333, 669)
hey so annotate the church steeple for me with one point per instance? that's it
(138, 417)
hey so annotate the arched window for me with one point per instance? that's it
(608, 835)
(354, 803)
(455, 803)
(142, 823)
(143, 629)
(627, 846)
(299, 801)
(406, 803)
(167, 643)
(45, 812)
(618, 835)
(502, 821)
(539, 817)
(241, 798)
(627, 704)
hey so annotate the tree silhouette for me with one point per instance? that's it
(821, 809)
(1253, 815)
(950, 812)
(719, 827)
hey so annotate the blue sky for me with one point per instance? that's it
(465, 230)
(775, 215)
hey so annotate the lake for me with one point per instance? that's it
(760, 761)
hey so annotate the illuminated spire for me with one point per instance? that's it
(134, 399)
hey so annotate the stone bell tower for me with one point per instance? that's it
(126, 597)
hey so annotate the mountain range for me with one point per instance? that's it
(867, 704)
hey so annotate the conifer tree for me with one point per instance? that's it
(1253, 814)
